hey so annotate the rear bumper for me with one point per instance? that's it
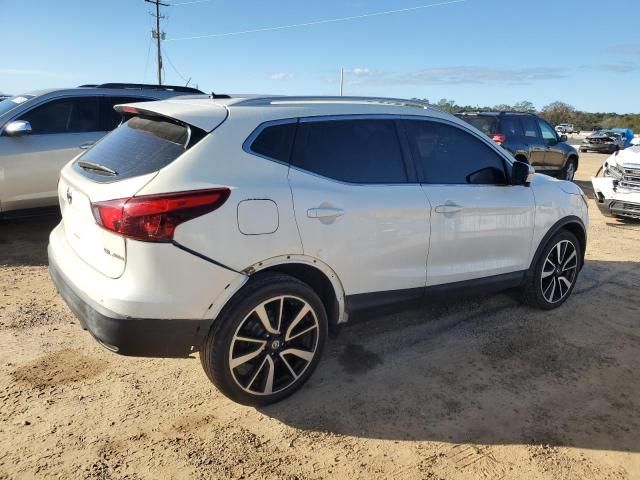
(142, 337)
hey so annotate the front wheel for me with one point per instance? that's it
(569, 170)
(267, 341)
(552, 279)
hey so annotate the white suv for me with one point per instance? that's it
(246, 228)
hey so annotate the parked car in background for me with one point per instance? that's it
(617, 185)
(529, 139)
(627, 135)
(565, 128)
(603, 141)
(245, 228)
(41, 131)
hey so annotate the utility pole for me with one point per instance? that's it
(157, 34)
(341, 79)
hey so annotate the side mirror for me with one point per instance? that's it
(17, 128)
(521, 173)
(563, 138)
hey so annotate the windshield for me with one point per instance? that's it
(139, 146)
(12, 102)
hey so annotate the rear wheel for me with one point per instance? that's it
(553, 277)
(267, 342)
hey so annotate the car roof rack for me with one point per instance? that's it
(146, 86)
(285, 100)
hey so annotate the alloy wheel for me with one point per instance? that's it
(559, 271)
(570, 171)
(274, 345)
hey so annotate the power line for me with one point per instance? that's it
(146, 63)
(189, 3)
(173, 66)
(317, 22)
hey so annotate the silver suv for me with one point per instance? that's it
(41, 131)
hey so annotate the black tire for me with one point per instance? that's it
(239, 317)
(534, 292)
(569, 170)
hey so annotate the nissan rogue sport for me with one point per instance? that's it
(245, 228)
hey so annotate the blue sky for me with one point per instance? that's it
(478, 52)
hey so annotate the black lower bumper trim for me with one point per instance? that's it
(139, 337)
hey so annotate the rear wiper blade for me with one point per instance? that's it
(96, 167)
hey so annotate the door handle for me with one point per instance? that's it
(323, 212)
(448, 208)
(86, 146)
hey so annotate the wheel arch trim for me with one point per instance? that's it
(282, 260)
(564, 222)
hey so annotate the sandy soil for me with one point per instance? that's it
(484, 388)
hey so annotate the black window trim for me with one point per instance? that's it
(507, 163)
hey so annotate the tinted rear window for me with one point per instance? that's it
(485, 124)
(139, 146)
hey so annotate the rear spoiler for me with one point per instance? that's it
(203, 115)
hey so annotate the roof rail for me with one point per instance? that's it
(147, 86)
(285, 100)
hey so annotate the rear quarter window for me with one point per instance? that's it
(139, 146)
(275, 141)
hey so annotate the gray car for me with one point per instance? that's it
(41, 131)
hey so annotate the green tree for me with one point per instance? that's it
(524, 107)
(558, 112)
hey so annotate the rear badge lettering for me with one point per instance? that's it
(114, 255)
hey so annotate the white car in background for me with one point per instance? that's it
(617, 185)
(41, 131)
(245, 228)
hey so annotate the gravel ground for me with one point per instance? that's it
(484, 388)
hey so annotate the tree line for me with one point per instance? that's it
(554, 113)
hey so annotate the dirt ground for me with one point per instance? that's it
(484, 388)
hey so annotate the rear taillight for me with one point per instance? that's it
(154, 218)
(499, 138)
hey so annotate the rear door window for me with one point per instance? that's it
(445, 154)
(511, 126)
(109, 118)
(530, 127)
(139, 146)
(66, 115)
(356, 151)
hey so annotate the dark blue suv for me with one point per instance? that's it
(529, 139)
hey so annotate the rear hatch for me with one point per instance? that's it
(117, 167)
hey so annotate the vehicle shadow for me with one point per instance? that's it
(24, 241)
(586, 187)
(487, 371)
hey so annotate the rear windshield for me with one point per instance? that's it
(139, 146)
(485, 124)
